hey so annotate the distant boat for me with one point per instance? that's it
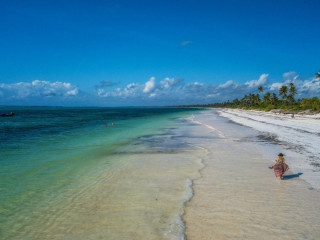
(7, 114)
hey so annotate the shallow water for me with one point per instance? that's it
(68, 173)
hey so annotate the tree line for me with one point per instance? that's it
(284, 100)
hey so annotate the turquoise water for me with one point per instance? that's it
(48, 152)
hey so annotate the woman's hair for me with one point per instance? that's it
(280, 155)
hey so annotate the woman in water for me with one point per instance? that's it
(280, 166)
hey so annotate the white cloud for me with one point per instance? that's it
(150, 85)
(227, 84)
(100, 92)
(261, 81)
(275, 86)
(172, 91)
(38, 89)
(73, 92)
(305, 88)
(194, 86)
(131, 85)
(309, 86)
(131, 90)
(170, 82)
(289, 75)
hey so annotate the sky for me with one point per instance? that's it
(155, 53)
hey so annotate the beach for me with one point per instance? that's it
(156, 174)
(297, 134)
(238, 197)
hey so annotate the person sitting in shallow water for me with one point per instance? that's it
(280, 167)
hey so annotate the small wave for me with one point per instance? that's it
(177, 227)
(220, 134)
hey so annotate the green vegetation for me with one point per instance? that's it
(318, 76)
(269, 101)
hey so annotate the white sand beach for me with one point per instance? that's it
(237, 196)
(298, 135)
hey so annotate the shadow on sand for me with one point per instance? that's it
(287, 177)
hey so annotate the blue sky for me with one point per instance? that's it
(154, 52)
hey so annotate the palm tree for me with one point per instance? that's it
(254, 99)
(245, 100)
(236, 102)
(260, 89)
(274, 99)
(283, 91)
(318, 76)
(257, 99)
(267, 98)
(292, 92)
(251, 99)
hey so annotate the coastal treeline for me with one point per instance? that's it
(266, 101)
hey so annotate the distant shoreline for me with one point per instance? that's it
(276, 110)
(304, 113)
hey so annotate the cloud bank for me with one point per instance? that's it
(173, 91)
(167, 91)
(42, 91)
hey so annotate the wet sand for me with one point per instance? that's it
(238, 197)
(299, 136)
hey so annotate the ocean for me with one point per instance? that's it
(95, 173)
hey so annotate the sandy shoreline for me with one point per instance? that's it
(197, 176)
(238, 197)
(298, 136)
